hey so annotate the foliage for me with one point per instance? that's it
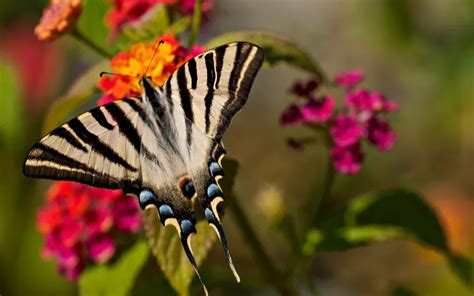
(78, 94)
(166, 247)
(385, 215)
(117, 279)
(277, 50)
(10, 104)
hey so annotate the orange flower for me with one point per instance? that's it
(58, 18)
(170, 55)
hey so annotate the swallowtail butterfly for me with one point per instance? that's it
(165, 146)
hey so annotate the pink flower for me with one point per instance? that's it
(70, 264)
(349, 79)
(126, 215)
(78, 221)
(72, 273)
(364, 101)
(99, 220)
(361, 100)
(303, 90)
(51, 247)
(292, 116)
(346, 131)
(187, 6)
(101, 248)
(390, 106)
(349, 125)
(347, 160)
(70, 232)
(318, 110)
(380, 134)
(129, 11)
(132, 11)
(105, 99)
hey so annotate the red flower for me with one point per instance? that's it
(77, 222)
(125, 12)
(188, 6)
(129, 11)
(170, 55)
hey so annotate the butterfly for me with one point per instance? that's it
(165, 146)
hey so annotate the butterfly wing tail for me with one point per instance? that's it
(186, 236)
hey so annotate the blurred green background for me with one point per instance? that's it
(419, 53)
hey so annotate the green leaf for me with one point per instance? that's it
(277, 50)
(77, 95)
(462, 267)
(166, 247)
(10, 104)
(399, 208)
(402, 291)
(384, 215)
(118, 279)
(92, 24)
(179, 26)
(151, 25)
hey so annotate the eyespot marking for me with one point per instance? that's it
(186, 186)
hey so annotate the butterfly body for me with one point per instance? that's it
(165, 146)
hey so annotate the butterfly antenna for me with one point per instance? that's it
(153, 56)
(116, 74)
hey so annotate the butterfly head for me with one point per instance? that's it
(145, 81)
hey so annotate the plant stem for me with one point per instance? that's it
(86, 41)
(288, 228)
(272, 276)
(196, 22)
(315, 203)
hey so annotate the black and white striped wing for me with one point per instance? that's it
(212, 87)
(99, 148)
(204, 95)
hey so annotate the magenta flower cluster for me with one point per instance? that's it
(78, 221)
(358, 119)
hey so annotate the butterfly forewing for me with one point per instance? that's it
(95, 148)
(213, 86)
